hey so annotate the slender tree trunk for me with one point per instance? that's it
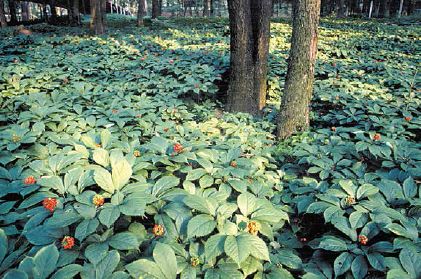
(371, 9)
(97, 17)
(212, 11)
(53, 10)
(400, 8)
(155, 8)
(3, 22)
(249, 26)
(142, 11)
(295, 105)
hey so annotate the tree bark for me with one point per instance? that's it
(25, 10)
(295, 105)
(155, 8)
(400, 8)
(3, 22)
(206, 7)
(97, 17)
(142, 11)
(249, 27)
(12, 10)
(76, 12)
(341, 9)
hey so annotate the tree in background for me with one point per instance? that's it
(97, 16)
(3, 22)
(142, 11)
(156, 8)
(249, 28)
(294, 111)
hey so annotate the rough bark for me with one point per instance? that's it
(142, 11)
(295, 104)
(3, 22)
(249, 27)
(97, 17)
(155, 8)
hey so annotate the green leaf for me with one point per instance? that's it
(246, 203)
(101, 157)
(206, 181)
(109, 214)
(332, 243)
(143, 267)
(163, 184)
(200, 225)
(15, 274)
(3, 245)
(104, 180)
(234, 251)
(69, 271)
(348, 187)
(107, 265)
(376, 260)
(164, 257)
(342, 263)
(255, 244)
(411, 262)
(214, 246)
(121, 169)
(366, 190)
(45, 261)
(52, 182)
(409, 188)
(85, 228)
(95, 252)
(124, 241)
(359, 267)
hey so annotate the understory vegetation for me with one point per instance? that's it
(117, 159)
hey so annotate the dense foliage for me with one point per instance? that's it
(117, 160)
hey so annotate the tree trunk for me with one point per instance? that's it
(249, 26)
(97, 17)
(370, 11)
(3, 22)
(400, 8)
(142, 11)
(12, 10)
(295, 105)
(25, 10)
(155, 8)
(341, 9)
(206, 7)
(76, 12)
(53, 10)
(212, 11)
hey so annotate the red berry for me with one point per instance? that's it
(377, 137)
(29, 180)
(363, 239)
(68, 242)
(98, 200)
(408, 118)
(49, 204)
(178, 148)
(158, 230)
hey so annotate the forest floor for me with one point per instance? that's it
(136, 116)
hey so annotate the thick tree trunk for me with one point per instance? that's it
(212, 11)
(142, 11)
(12, 10)
(155, 8)
(3, 22)
(249, 26)
(97, 17)
(295, 105)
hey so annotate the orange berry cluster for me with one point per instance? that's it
(29, 180)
